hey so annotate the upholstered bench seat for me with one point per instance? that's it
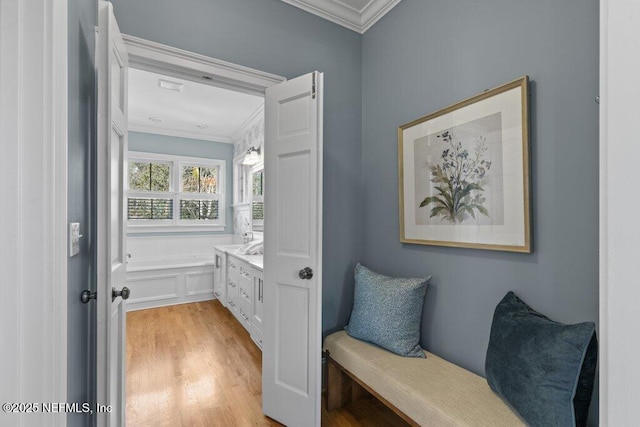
(425, 392)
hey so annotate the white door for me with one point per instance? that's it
(111, 251)
(291, 363)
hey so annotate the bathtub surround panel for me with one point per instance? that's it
(169, 270)
(424, 56)
(272, 36)
(170, 285)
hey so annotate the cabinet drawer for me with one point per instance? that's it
(244, 311)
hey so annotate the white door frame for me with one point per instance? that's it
(33, 173)
(619, 229)
(158, 58)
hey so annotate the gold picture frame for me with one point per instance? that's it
(464, 173)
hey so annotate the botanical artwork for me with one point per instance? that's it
(464, 173)
(458, 174)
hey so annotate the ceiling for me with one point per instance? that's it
(197, 111)
(357, 15)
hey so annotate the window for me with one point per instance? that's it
(149, 196)
(242, 182)
(257, 199)
(170, 191)
(199, 195)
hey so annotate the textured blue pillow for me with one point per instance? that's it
(387, 311)
(543, 369)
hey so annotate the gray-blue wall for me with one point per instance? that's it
(162, 144)
(422, 56)
(272, 36)
(426, 55)
(81, 133)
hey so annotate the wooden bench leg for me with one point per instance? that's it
(357, 391)
(341, 388)
(336, 380)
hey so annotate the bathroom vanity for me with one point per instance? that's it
(238, 284)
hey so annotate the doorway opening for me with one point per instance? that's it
(190, 195)
(292, 285)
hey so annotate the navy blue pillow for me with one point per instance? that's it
(544, 369)
(387, 311)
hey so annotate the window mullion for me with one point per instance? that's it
(175, 187)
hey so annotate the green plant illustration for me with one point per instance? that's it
(459, 178)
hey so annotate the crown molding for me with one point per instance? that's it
(342, 13)
(179, 133)
(248, 123)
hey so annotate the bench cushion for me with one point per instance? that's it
(430, 391)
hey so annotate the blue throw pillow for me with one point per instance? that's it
(543, 369)
(387, 311)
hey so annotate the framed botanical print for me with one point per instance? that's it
(464, 173)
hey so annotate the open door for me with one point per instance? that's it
(291, 364)
(111, 57)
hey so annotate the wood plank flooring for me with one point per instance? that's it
(194, 365)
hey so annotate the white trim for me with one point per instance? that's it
(59, 103)
(619, 229)
(603, 341)
(171, 61)
(167, 158)
(248, 123)
(135, 229)
(179, 133)
(343, 14)
(33, 37)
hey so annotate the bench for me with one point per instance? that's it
(424, 392)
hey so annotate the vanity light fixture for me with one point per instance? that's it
(251, 158)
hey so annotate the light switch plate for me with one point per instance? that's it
(74, 238)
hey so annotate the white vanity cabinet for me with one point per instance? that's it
(239, 286)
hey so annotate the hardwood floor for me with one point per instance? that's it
(194, 365)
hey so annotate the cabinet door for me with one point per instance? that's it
(219, 285)
(245, 291)
(245, 287)
(256, 307)
(232, 284)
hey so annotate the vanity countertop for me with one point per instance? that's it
(232, 250)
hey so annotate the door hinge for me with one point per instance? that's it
(313, 85)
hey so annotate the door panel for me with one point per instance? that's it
(111, 57)
(293, 240)
(116, 201)
(293, 192)
(292, 338)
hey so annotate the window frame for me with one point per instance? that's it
(256, 224)
(176, 194)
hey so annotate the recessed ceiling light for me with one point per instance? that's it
(201, 126)
(166, 84)
(155, 120)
